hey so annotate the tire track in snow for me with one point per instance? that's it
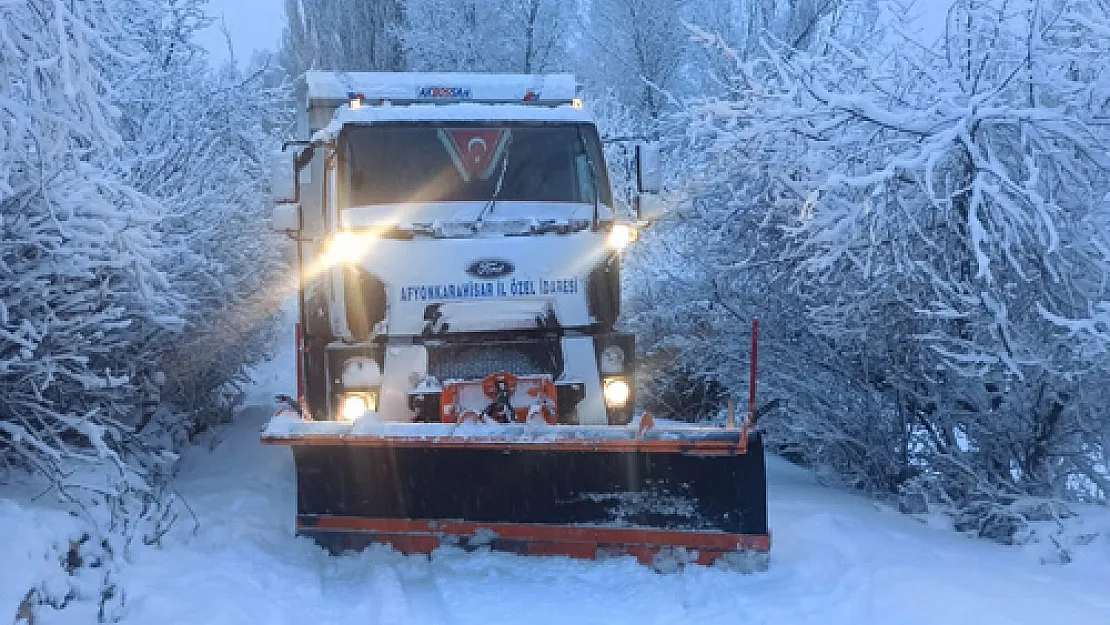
(363, 588)
(826, 577)
(382, 587)
(390, 605)
(422, 588)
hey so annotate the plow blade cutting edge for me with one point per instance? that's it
(698, 494)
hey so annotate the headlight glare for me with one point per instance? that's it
(620, 235)
(354, 406)
(616, 392)
(347, 247)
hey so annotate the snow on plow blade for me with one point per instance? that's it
(698, 494)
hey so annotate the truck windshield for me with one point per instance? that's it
(387, 164)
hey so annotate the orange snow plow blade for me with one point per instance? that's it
(696, 493)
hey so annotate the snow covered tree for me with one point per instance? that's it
(745, 25)
(130, 204)
(635, 48)
(347, 35)
(696, 284)
(80, 284)
(213, 184)
(512, 36)
(938, 222)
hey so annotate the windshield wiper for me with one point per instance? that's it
(497, 189)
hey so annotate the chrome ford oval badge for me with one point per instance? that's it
(487, 268)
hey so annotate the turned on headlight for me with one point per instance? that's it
(620, 235)
(348, 247)
(353, 406)
(616, 392)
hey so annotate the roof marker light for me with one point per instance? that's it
(576, 103)
(356, 100)
(531, 95)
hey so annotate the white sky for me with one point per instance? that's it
(252, 24)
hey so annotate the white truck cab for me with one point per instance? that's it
(450, 227)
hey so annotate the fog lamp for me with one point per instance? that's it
(354, 406)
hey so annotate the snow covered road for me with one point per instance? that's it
(837, 558)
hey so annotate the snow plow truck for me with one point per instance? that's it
(460, 377)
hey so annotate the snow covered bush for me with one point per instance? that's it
(136, 272)
(676, 391)
(82, 292)
(924, 231)
(203, 154)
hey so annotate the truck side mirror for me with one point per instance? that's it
(650, 207)
(283, 177)
(286, 218)
(649, 182)
(649, 168)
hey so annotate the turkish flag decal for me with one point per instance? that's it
(475, 151)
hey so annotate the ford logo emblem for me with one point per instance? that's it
(490, 268)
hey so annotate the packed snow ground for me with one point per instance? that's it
(836, 558)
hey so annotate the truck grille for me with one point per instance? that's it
(476, 361)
